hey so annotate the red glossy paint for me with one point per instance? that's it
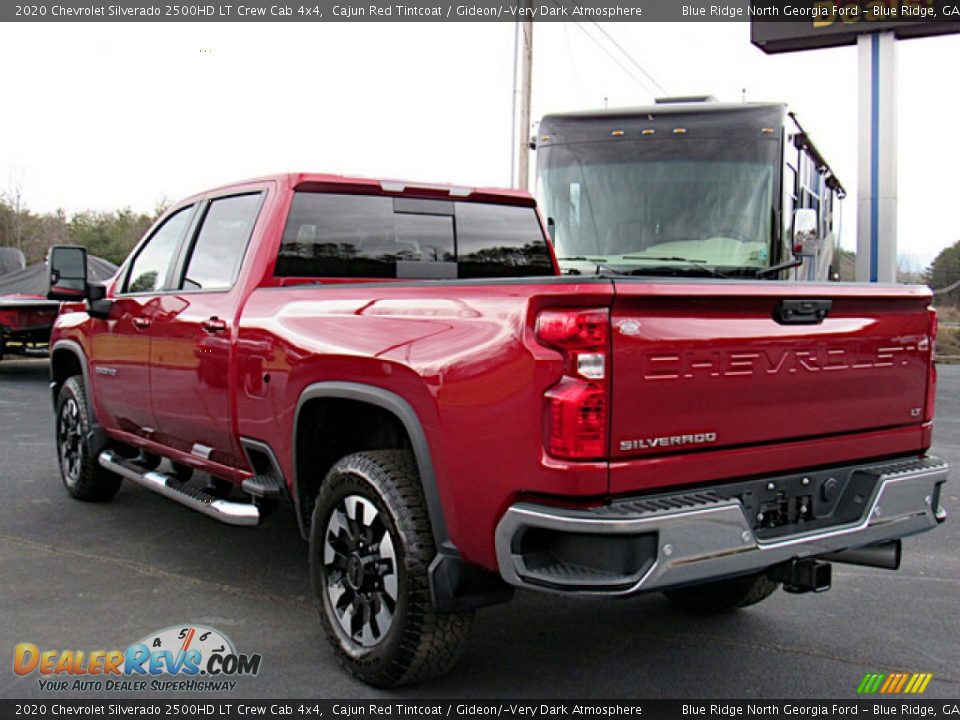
(720, 372)
(685, 358)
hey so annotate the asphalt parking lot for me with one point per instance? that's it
(100, 576)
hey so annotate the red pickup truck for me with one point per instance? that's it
(451, 418)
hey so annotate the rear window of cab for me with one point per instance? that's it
(372, 236)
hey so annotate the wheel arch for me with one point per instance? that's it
(67, 358)
(395, 407)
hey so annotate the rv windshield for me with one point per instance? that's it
(669, 206)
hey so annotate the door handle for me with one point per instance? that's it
(141, 323)
(214, 325)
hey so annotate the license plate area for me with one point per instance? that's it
(785, 510)
(793, 504)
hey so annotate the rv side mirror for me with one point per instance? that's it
(806, 241)
(67, 272)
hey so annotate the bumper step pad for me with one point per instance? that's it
(268, 487)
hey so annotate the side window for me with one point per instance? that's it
(340, 236)
(218, 251)
(500, 241)
(149, 270)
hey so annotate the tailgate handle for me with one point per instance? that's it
(802, 312)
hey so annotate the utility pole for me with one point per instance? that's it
(513, 105)
(523, 178)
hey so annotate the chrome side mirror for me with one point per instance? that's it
(806, 240)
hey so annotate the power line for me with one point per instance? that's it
(613, 57)
(573, 62)
(630, 58)
(609, 54)
(949, 288)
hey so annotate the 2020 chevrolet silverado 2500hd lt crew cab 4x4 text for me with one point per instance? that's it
(451, 418)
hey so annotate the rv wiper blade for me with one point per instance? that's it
(663, 259)
(598, 263)
(774, 269)
(680, 270)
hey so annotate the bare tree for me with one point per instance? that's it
(13, 197)
(909, 271)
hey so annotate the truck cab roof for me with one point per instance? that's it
(313, 182)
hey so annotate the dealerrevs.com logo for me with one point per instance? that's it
(185, 658)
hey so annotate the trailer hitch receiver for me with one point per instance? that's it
(801, 576)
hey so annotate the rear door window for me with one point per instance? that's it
(216, 255)
(331, 235)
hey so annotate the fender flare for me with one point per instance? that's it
(73, 347)
(97, 437)
(402, 410)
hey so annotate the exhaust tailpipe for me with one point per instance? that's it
(886, 556)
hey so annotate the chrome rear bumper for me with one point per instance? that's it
(637, 545)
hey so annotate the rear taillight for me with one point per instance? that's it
(575, 408)
(932, 379)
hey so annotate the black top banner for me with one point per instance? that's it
(481, 709)
(924, 16)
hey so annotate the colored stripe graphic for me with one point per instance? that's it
(894, 683)
(870, 683)
(891, 681)
(903, 680)
(878, 679)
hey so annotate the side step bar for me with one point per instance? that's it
(231, 513)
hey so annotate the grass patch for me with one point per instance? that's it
(948, 345)
(948, 314)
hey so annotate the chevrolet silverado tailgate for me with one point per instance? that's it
(725, 365)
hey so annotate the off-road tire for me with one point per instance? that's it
(724, 595)
(420, 643)
(82, 475)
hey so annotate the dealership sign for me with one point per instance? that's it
(779, 26)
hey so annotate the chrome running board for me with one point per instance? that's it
(231, 513)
